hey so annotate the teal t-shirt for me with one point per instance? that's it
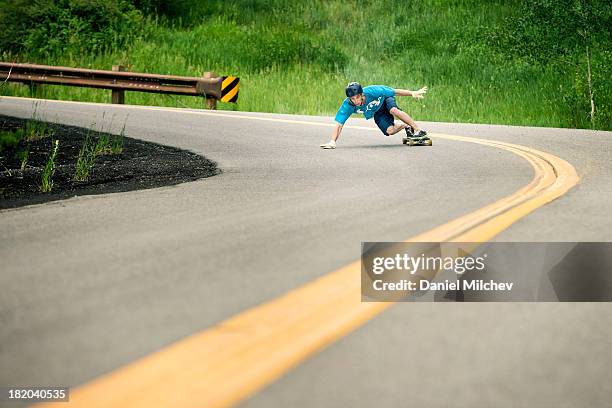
(374, 98)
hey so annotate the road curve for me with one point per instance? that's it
(126, 274)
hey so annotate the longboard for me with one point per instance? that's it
(413, 142)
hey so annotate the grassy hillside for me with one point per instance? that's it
(296, 57)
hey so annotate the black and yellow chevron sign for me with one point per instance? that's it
(229, 89)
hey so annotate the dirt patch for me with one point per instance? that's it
(140, 165)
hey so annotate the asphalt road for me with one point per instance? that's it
(92, 283)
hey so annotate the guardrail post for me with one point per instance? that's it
(211, 101)
(118, 96)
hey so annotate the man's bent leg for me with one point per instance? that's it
(391, 130)
(404, 117)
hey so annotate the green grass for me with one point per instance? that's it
(96, 143)
(49, 169)
(108, 143)
(23, 156)
(35, 128)
(296, 57)
(10, 138)
(86, 158)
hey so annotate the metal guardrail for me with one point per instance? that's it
(212, 86)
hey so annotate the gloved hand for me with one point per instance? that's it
(329, 145)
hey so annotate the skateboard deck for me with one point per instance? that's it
(413, 142)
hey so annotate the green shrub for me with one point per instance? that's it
(9, 138)
(555, 36)
(46, 28)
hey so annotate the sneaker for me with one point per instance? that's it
(409, 131)
(421, 134)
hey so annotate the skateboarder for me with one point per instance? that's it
(378, 102)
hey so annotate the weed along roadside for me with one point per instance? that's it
(49, 169)
(41, 162)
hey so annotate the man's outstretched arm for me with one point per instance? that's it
(335, 135)
(415, 94)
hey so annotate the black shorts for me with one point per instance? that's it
(383, 117)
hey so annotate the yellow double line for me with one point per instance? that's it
(229, 362)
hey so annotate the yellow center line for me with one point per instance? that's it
(229, 362)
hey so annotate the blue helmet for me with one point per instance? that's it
(354, 88)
